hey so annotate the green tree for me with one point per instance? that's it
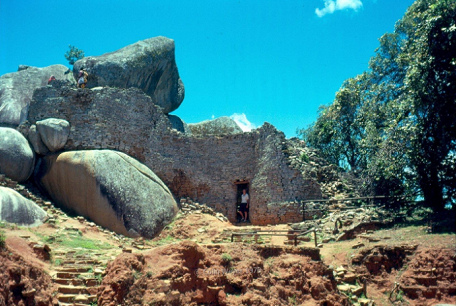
(396, 124)
(73, 54)
(338, 131)
(430, 51)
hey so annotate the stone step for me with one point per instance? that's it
(88, 282)
(429, 292)
(73, 275)
(69, 289)
(76, 298)
(73, 269)
(65, 261)
(69, 281)
(426, 280)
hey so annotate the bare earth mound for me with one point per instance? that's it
(238, 274)
(22, 278)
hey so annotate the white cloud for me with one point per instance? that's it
(243, 122)
(335, 5)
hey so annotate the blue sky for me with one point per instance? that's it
(270, 60)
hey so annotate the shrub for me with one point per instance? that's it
(73, 54)
(304, 157)
(2, 239)
(226, 258)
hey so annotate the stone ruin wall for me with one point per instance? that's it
(201, 168)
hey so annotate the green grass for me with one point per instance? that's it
(304, 157)
(137, 275)
(2, 239)
(167, 240)
(81, 242)
(99, 278)
(226, 258)
(75, 240)
(292, 300)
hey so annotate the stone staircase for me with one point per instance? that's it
(431, 280)
(77, 277)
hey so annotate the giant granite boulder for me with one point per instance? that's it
(219, 126)
(149, 65)
(53, 132)
(14, 208)
(35, 140)
(16, 90)
(109, 187)
(17, 158)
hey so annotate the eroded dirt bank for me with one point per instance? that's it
(189, 274)
(23, 280)
(193, 262)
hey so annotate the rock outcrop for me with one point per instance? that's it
(111, 188)
(179, 125)
(16, 90)
(149, 65)
(16, 156)
(53, 133)
(219, 126)
(14, 208)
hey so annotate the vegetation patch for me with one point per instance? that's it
(2, 239)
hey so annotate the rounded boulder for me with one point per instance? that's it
(109, 187)
(53, 132)
(17, 158)
(14, 208)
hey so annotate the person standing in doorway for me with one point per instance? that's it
(245, 200)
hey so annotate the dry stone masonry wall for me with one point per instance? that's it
(201, 168)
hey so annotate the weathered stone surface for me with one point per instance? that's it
(179, 125)
(149, 65)
(16, 90)
(53, 132)
(16, 156)
(14, 208)
(35, 139)
(204, 169)
(219, 126)
(111, 188)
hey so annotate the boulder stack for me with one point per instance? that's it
(149, 65)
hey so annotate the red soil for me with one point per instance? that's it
(191, 274)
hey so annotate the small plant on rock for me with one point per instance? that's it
(226, 258)
(73, 54)
(304, 157)
(292, 300)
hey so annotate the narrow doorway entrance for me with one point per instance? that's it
(241, 185)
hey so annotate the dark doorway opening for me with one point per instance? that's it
(241, 185)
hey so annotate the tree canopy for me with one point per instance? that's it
(395, 124)
(73, 54)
